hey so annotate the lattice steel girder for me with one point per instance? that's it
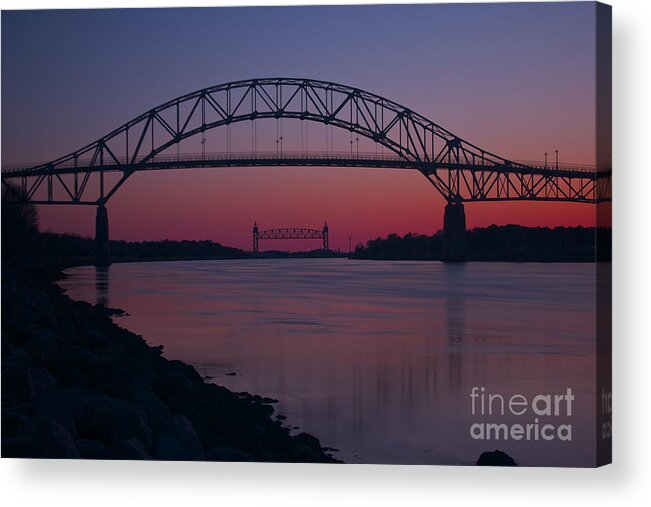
(291, 233)
(416, 141)
(468, 185)
(455, 182)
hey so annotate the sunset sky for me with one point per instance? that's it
(515, 79)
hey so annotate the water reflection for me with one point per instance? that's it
(102, 285)
(375, 358)
(455, 313)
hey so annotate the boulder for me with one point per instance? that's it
(66, 406)
(179, 441)
(132, 449)
(113, 421)
(93, 449)
(17, 447)
(43, 348)
(18, 381)
(51, 440)
(15, 423)
(496, 458)
(306, 448)
(227, 453)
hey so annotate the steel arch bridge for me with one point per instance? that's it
(289, 233)
(459, 170)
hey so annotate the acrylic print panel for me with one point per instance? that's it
(359, 234)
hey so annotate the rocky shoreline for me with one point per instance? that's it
(76, 385)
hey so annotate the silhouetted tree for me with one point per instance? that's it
(499, 243)
(19, 225)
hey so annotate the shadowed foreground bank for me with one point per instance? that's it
(75, 385)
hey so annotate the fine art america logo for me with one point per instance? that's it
(537, 416)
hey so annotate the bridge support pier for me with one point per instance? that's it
(256, 239)
(454, 233)
(326, 247)
(102, 257)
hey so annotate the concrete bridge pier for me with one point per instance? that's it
(325, 237)
(454, 233)
(102, 257)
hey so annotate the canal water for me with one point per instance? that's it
(379, 359)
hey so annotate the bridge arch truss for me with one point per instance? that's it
(459, 170)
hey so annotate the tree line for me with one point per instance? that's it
(23, 242)
(515, 243)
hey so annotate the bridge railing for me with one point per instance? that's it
(215, 156)
(538, 164)
(354, 155)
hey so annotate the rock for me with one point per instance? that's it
(227, 453)
(44, 347)
(496, 458)
(17, 447)
(110, 312)
(309, 440)
(114, 421)
(65, 406)
(73, 354)
(12, 354)
(157, 350)
(76, 385)
(15, 423)
(51, 440)
(187, 370)
(179, 441)
(19, 381)
(132, 449)
(93, 449)
(307, 448)
(132, 423)
(156, 411)
(102, 371)
(42, 380)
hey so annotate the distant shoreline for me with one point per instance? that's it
(508, 243)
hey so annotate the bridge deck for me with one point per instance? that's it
(301, 159)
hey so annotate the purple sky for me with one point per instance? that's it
(516, 79)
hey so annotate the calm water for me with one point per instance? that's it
(377, 359)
